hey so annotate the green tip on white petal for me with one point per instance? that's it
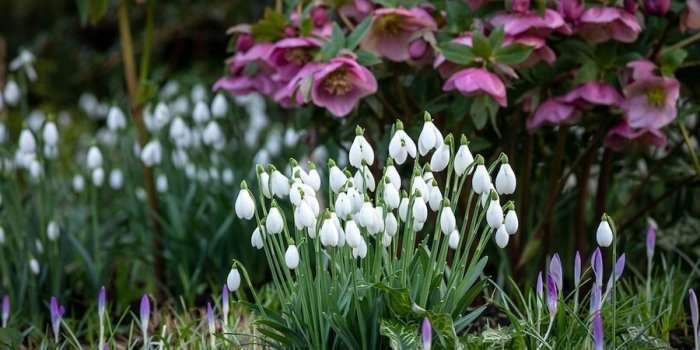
(331, 163)
(293, 162)
(359, 131)
(427, 117)
(445, 202)
(494, 195)
(463, 140)
(244, 185)
(389, 161)
(399, 124)
(503, 158)
(479, 160)
(449, 139)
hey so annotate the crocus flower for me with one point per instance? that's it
(623, 134)
(694, 315)
(224, 304)
(555, 271)
(211, 323)
(340, 83)
(650, 100)
(289, 55)
(57, 312)
(597, 331)
(619, 266)
(656, 7)
(577, 269)
(426, 334)
(552, 295)
(5, 310)
(597, 266)
(596, 298)
(539, 288)
(145, 314)
(393, 30)
(690, 17)
(650, 241)
(472, 81)
(101, 302)
(600, 24)
(249, 71)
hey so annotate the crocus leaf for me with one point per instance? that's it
(457, 53)
(359, 33)
(512, 54)
(10, 337)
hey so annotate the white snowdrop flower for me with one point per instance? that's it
(435, 200)
(180, 106)
(305, 216)
(353, 236)
(386, 240)
(336, 178)
(485, 197)
(245, 205)
(360, 251)
(401, 145)
(511, 222)
(295, 191)
(291, 257)
(136, 147)
(2, 235)
(403, 209)
(94, 158)
(481, 181)
(162, 183)
(355, 198)
(12, 93)
(274, 222)
(265, 184)
(343, 207)
(34, 266)
(213, 136)
(501, 237)
(161, 117)
(604, 234)
(494, 214)
(52, 231)
(313, 179)
(430, 137)
(441, 158)
(339, 229)
(453, 241)
(418, 225)
(391, 196)
(233, 280)
(116, 179)
(448, 222)
(279, 184)
(393, 175)
(291, 137)
(170, 89)
(198, 93)
(24, 60)
(27, 143)
(3, 130)
(35, 169)
(377, 223)
(420, 187)
(505, 180)
(179, 131)
(116, 119)
(366, 216)
(463, 158)
(219, 107)
(50, 133)
(36, 119)
(98, 177)
(364, 179)
(152, 153)
(256, 239)
(201, 113)
(360, 151)
(50, 152)
(420, 210)
(78, 183)
(329, 233)
(391, 226)
(227, 176)
(140, 193)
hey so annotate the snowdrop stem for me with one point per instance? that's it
(95, 232)
(267, 248)
(244, 272)
(612, 267)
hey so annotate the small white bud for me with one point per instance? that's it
(98, 177)
(279, 184)
(291, 257)
(343, 207)
(355, 198)
(352, 234)
(265, 185)
(360, 251)
(329, 233)
(233, 280)
(505, 180)
(448, 222)
(78, 183)
(52, 231)
(94, 158)
(34, 266)
(12, 93)
(152, 153)
(201, 113)
(441, 158)
(420, 211)
(162, 183)
(454, 240)
(116, 119)
(336, 178)
(511, 222)
(463, 159)
(391, 197)
(360, 150)
(391, 226)
(501, 237)
(50, 134)
(481, 181)
(313, 179)
(27, 143)
(219, 107)
(604, 234)
(274, 222)
(116, 179)
(393, 175)
(256, 239)
(494, 214)
(386, 240)
(435, 200)
(245, 205)
(403, 209)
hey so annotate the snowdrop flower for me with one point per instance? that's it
(179, 132)
(463, 157)
(50, 152)
(343, 206)
(420, 211)
(78, 183)
(391, 225)
(12, 93)
(420, 187)
(448, 222)
(392, 174)
(219, 107)
(162, 183)
(36, 119)
(430, 137)
(360, 150)
(505, 179)
(391, 195)
(264, 182)
(27, 143)
(313, 179)
(441, 157)
(336, 177)
(366, 215)
(213, 136)
(291, 257)
(233, 280)
(35, 169)
(364, 180)
(511, 222)
(329, 233)
(604, 234)
(279, 184)
(355, 199)
(274, 222)
(501, 237)
(52, 231)
(227, 176)
(360, 251)
(201, 113)
(98, 177)
(403, 208)
(116, 179)
(481, 181)
(386, 240)
(494, 213)
(34, 266)
(3, 128)
(198, 93)
(152, 153)
(50, 134)
(454, 240)
(115, 119)
(304, 216)
(94, 158)
(435, 200)
(256, 239)
(401, 145)
(25, 60)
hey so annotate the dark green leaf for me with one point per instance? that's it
(588, 72)
(672, 59)
(401, 336)
(270, 27)
(512, 54)
(10, 338)
(359, 33)
(496, 37)
(367, 58)
(457, 53)
(331, 48)
(98, 8)
(481, 45)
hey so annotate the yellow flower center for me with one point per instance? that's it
(337, 83)
(297, 55)
(656, 96)
(390, 24)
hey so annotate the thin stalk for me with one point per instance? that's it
(691, 149)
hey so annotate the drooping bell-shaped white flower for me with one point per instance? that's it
(152, 153)
(161, 116)
(604, 234)
(441, 158)
(162, 183)
(35, 169)
(386, 240)
(393, 175)
(245, 204)
(52, 231)
(279, 184)
(256, 239)
(295, 193)
(50, 134)
(353, 236)
(233, 280)
(420, 210)
(391, 196)
(494, 214)
(291, 257)
(454, 240)
(360, 150)
(366, 215)
(448, 222)
(336, 178)
(34, 266)
(511, 222)
(360, 251)
(435, 200)
(481, 181)
(420, 187)
(116, 119)
(305, 215)
(501, 237)
(338, 229)
(364, 180)
(27, 143)
(201, 113)
(213, 136)
(78, 183)
(313, 179)
(377, 224)
(355, 198)
(343, 207)
(391, 226)
(505, 180)
(265, 184)
(116, 179)
(98, 177)
(219, 107)
(274, 222)
(329, 233)
(463, 157)
(401, 145)
(12, 93)
(94, 158)
(430, 137)
(403, 209)
(178, 130)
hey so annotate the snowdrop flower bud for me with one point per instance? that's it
(34, 266)
(178, 130)
(501, 237)
(393, 175)
(50, 134)
(336, 178)
(329, 233)
(152, 153)
(233, 280)
(377, 224)
(454, 240)
(116, 119)
(481, 181)
(98, 177)
(279, 184)
(2, 235)
(505, 179)
(430, 137)
(274, 222)
(201, 112)
(291, 257)
(256, 239)
(401, 146)
(305, 215)
(360, 150)
(35, 169)
(12, 93)
(94, 158)
(265, 184)
(355, 198)
(343, 207)
(420, 211)
(463, 157)
(604, 234)
(162, 183)
(52, 231)
(213, 136)
(511, 222)
(441, 157)
(494, 213)
(420, 187)
(314, 178)
(116, 179)
(219, 107)
(391, 196)
(352, 234)
(448, 222)
(366, 216)
(435, 200)
(27, 143)
(78, 183)
(360, 251)
(403, 208)
(364, 179)
(391, 226)
(245, 204)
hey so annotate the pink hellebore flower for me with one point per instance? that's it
(540, 50)
(445, 67)
(650, 99)
(291, 54)
(600, 24)
(395, 29)
(690, 18)
(356, 10)
(516, 24)
(340, 83)
(296, 91)
(471, 81)
(249, 72)
(571, 10)
(622, 134)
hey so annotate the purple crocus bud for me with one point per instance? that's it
(656, 7)
(210, 319)
(619, 266)
(597, 266)
(692, 298)
(577, 269)
(224, 304)
(597, 331)
(106, 347)
(651, 241)
(5, 310)
(538, 287)
(145, 313)
(57, 312)
(101, 302)
(552, 295)
(426, 334)
(596, 296)
(555, 271)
